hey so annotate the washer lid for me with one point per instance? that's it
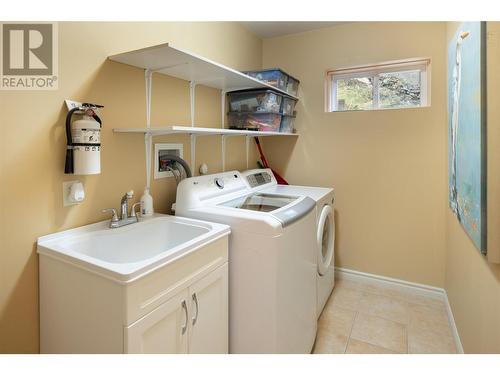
(287, 209)
(260, 202)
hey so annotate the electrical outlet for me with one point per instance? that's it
(68, 199)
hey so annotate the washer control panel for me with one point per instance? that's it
(258, 179)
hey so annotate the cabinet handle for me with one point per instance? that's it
(195, 317)
(184, 306)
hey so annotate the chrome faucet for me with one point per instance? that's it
(125, 218)
(124, 203)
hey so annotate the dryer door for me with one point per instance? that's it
(325, 238)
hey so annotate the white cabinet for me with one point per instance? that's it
(164, 330)
(193, 321)
(209, 314)
(180, 307)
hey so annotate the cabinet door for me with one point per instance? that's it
(163, 330)
(209, 313)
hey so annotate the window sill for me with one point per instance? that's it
(380, 109)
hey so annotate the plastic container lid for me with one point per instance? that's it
(270, 70)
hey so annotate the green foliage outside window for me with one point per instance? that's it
(395, 90)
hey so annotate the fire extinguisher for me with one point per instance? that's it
(83, 141)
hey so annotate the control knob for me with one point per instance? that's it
(219, 182)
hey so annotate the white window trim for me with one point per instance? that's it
(333, 75)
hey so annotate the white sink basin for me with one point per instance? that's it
(133, 250)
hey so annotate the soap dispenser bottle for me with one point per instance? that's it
(146, 203)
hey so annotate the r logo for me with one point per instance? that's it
(29, 54)
(27, 49)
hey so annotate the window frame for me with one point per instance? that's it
(374, 70)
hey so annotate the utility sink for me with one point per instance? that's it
(130, 251)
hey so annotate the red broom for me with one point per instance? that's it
(279, 179)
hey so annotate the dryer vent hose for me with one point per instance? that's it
(179, 160)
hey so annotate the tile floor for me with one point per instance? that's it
(369, 318)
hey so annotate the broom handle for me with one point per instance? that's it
(263, 158)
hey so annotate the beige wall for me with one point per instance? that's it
(33, 144)
(473, 288)
(387, 167)
(473, 284)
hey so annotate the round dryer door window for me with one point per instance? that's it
(326, 239)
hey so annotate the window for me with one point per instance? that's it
(399, 84)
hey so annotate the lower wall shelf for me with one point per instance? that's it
(194, 132)
(200, 131)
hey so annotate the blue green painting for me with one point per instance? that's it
(467, 129)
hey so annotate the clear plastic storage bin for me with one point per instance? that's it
(255, 101)
(277, 78)
(286, 125)
(292, 86)
(273, 77)
(269, 122)
(288, 105)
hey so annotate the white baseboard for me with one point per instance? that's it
(406, 286)
(454, 330)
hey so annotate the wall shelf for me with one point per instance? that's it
(195, 132)
(175, 62)
(172, 61)
(156, 131)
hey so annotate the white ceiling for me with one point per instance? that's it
(279, 28)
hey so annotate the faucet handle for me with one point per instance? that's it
(114, 218)
(133, 213)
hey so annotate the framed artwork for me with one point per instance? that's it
(467, 129)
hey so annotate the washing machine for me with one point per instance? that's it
(272, 272)
(325, 227)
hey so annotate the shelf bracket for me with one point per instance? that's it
(192, 86)
(193, 153)
(223, 107)
(148, 78)
(223, 143)
(247, 147)
(148, 139)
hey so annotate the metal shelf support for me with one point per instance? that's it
(247, 147)
(193, 153)
(192, 94)
(223, 144)
(223, 107)
(148, 139)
